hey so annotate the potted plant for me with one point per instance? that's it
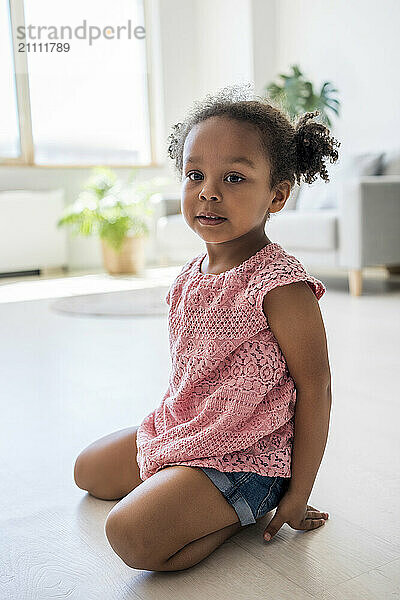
(118, 213)
(297, 96)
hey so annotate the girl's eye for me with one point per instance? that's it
(193, 173)
(233, 175)
(230, 175)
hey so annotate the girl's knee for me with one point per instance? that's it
(82, 472)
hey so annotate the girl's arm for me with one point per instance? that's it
(295, 319)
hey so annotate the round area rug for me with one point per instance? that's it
(127, 303)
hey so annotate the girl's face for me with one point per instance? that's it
(226, 172)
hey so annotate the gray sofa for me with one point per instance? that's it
(352, 222)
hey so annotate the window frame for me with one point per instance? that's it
(21, 78)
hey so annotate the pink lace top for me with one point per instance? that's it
(230, 399)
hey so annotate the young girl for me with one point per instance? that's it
(243, 424)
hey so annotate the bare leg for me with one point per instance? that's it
(196, 551)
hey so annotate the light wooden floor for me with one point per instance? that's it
(66, 381)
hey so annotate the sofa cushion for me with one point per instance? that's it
(316, 196)
(391, 163)
(322, 195)
(307, 230)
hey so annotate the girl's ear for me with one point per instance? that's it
(282, 193)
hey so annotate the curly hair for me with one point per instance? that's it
(295, 149)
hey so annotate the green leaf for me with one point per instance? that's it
(296, 95)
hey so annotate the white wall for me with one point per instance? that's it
(178, 30)
(265, 45)
(205, 45)
(224, 46)
(356, 46)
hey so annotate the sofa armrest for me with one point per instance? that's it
(369, 221)
(166, 203)
(163, 205)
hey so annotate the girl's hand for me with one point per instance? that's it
(297, 513)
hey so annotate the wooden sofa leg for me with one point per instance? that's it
(355, 282)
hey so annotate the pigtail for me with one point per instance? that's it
(313, 144)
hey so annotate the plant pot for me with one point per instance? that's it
(130, 259)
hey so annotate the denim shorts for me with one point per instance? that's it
(250, 494)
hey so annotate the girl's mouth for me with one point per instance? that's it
(210, 220)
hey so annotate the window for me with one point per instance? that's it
(87, 82)
(9, 140)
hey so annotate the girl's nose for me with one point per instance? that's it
(208, 193)
(208, 197)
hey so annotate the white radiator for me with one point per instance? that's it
(29, 237)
